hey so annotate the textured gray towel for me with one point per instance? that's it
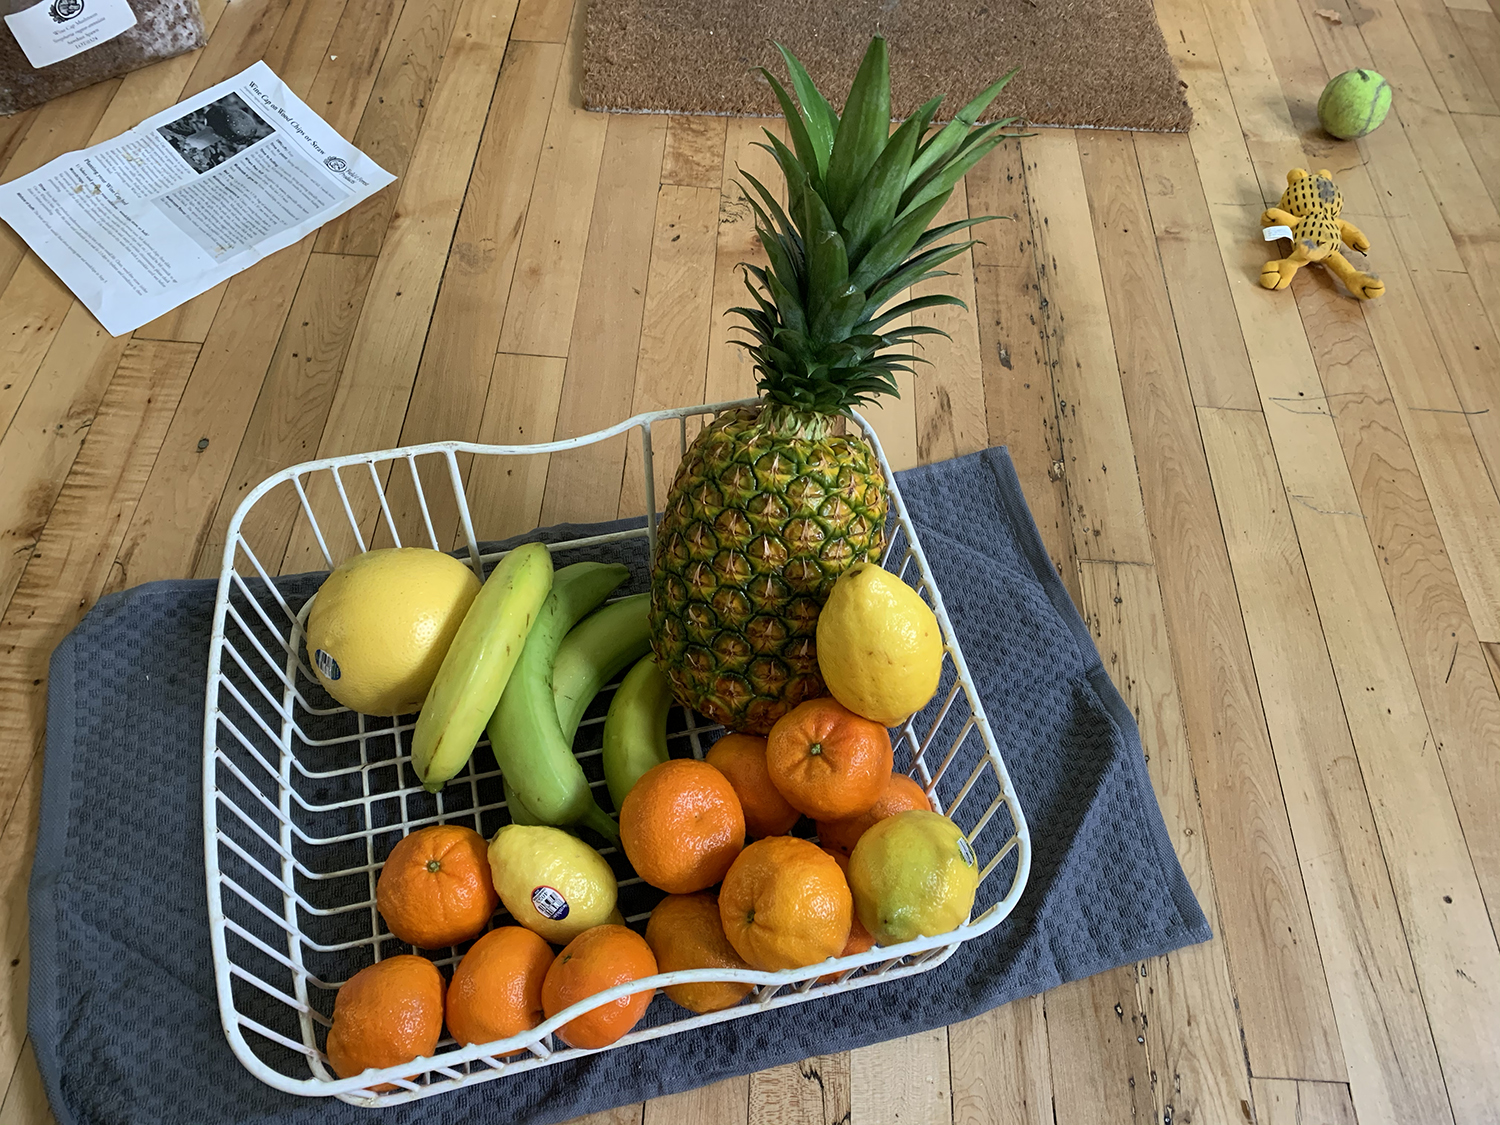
(123, 1015)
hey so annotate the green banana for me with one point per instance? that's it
(599, 648)
(635, 730)
(525, 734)
(595, 651)
(479, 663)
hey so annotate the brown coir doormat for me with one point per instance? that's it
(1100, 63)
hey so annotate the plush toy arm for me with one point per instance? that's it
(1275, 216)
(1351, 235)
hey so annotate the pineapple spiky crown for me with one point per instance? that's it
(854, 235)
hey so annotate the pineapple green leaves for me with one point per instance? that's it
(853, 235)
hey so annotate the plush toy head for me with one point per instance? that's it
(1307, 192)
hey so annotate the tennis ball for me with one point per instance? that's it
(1354, 104)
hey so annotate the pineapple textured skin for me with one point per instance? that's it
(758, 525)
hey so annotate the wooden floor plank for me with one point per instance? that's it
(676, 320)
(729, 366)
(1482, 138)
(694, 153)
(550, 263)
(727, 1101)
(1095, 1032)
(1356, 615)
(1020, 409)
(25, 1099)
(1429, 606)
(72, 560)
(584, 484)
(1445, 49)
(1103, 491)
(814, 1091)
(1288, 1024)
(19, 842)
(392, 118)
(1286, 1101)
(951, 419)
(453, 378)
(287, 419)
(375, 388)
(1192, 1035)
(1001, 1067)
(50, 424)
(903, 1080)
(544, 21)
(505, 493)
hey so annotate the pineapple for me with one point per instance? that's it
(770, 504)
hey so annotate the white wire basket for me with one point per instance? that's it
(303, 799)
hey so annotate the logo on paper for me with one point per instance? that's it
(64, 10)
(336, 164)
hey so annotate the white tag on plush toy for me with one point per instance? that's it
(1273, 233)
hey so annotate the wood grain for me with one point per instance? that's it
(584, 484)
(1001, 1067)
(672, 357)
(904, 1080)
(550, 262)
(1286, 1101)
(814, 1091)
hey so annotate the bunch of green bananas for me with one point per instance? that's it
(529, 658)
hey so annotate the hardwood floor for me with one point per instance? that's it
(1277, 512)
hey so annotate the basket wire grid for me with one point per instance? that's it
(303, 799)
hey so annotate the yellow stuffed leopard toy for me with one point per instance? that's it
(1310, 206)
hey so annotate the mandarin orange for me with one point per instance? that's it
(435, 889)
(742, 759)
(900, 794)
(681, 826)
(386, 1014)
(785, 904)
(497, 987)
(685, 933)
(860, 941)
(597, 959)
(827, 761)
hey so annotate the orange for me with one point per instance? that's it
(435, 889)
(593, 961)
(785, 904)
(681, 826)
(742, 759)
(497, 987)
(859, 941)
(685, 933)
(827, 761)
(900, 794)
(839, 858)
(385, 1015)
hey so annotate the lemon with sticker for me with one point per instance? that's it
(551, 881)
(913, 875)
(382, 623)
(880, 650)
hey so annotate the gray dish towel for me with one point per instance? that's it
(123, 1015)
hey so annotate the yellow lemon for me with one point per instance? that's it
(913, 875)
(552, 882)
(382, 623)
(879, 647)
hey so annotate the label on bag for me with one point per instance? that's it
(549, 903)
(1273, 233)
(327, 664)
(51, 32)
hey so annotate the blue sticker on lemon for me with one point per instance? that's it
(549, 903)
(327, 664)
